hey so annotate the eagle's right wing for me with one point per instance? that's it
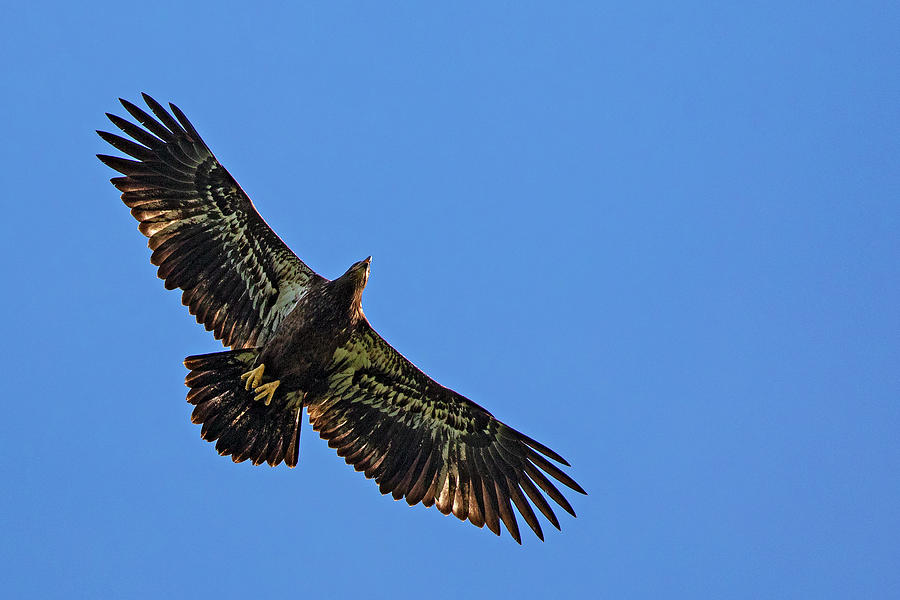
(238, 277)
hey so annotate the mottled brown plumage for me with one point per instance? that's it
(300, 340)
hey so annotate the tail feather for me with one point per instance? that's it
(242, 427)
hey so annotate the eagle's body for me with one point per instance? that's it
(323, 320)
(301, 341)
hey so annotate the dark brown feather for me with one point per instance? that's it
(506, 513)
(179, 194)
(127, 146)
(411, 435)
(515, 493)
(163, 115)
(538, 499)
(132, 130)
(422, 482)
(548, 488)
(148, 122)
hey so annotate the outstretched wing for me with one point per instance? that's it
(425, 442)
(238, 277)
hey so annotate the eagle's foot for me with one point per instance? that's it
(254, 377)
(266, 390)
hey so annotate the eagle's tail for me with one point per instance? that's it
(245, 428)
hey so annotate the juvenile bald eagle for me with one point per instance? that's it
(299, 340)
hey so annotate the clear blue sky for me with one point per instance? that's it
(663, 240)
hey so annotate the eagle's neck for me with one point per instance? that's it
(356, 311)
(347, 292)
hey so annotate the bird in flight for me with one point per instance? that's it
(301, 341)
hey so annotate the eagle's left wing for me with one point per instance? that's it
(429, 444)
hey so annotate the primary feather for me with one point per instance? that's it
(238, 277)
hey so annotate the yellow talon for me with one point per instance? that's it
(253, 380)
(253, 377)
(267, 390)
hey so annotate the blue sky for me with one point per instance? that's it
(662, 239)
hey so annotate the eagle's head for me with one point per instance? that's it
(355, 279)
(359, 272)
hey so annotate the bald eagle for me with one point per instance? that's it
(300, 341)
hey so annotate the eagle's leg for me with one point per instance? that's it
(266, 390)
(253, 377)
(263, 390)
